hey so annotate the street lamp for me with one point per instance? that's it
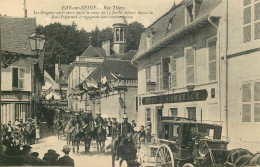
(37, 42)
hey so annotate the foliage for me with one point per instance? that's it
(65, 42)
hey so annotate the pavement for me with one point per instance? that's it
(92, 159)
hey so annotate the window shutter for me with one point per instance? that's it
(165, 63)
(173, 73)
(257, 91)
(246, 113)
(212, 61)
(190, 78)
(247, 2)
(158, 76)
(246, 92)
(257, 11)
(247, 15)
(257, 112)
(15, 77)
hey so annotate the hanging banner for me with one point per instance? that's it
(198, 95)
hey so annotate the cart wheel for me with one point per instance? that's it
(188, 165)
(164, 157)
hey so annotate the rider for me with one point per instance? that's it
(125, 133)
(99, 120)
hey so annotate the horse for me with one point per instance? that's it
(68, 129)
(126, 149)
(100, 138)
(89, 130)
(76, 136)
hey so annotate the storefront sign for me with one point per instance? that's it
(198, 95)
(17, 96)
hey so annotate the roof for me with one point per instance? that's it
(120, 20)
(15, 33)
(47, 77)
(94, 52)
(129, 55)
(127, 70)
(177, 16)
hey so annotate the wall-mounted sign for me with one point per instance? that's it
(198, 95)
(17, 96)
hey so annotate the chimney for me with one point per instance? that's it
(106, 47)
(57, 73)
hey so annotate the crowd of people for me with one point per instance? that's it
(24, 156)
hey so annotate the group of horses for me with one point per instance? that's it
(80, 129)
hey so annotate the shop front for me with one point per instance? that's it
(15, 105)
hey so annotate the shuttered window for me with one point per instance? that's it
(166, 74)
(251, 102)
(257, 101)
(18, 78)
(191, 113)
(173, 73)
(158, 76)
(212, 60)
(147, 76)
(251, 20)
(190, 66)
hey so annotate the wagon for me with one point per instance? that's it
(186, 143)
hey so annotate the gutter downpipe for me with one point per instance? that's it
(225, 66)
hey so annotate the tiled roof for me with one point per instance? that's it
(94, 52)
(129, 55)
(15, 33)
(124, 68)
(177, 14)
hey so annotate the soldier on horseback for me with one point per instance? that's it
(125, 135)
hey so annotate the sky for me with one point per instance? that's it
(15, 8)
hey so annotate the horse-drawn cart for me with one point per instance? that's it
(187, 143)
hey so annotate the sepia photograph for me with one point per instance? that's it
(130, 83)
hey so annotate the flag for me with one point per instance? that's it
(122, 103)
(104, 80)
(49, 93)
(90, 84)
(104, 85)
(116, 76)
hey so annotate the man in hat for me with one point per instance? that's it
(114, 129)
(51, 157)
(99, 120)
(125, 134)
(30, 159)
(65, 160)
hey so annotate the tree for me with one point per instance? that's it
(133, 35)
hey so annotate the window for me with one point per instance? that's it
(174, 112)
(192, 10)
(251, 102)
(173, 76)
(121, 34)
(158, 76)
(191, 113)
(251, 20)
(147, 76)
(212, 60)
(166, 73)
(190, 65)
(150, 37)
(18, 78)
(117, 34)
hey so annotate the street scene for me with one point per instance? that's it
(164, 83)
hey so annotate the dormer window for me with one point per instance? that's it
(150, 37)
(192, 10)
(169, 25)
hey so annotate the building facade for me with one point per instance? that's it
(178, 66)
(22, 73)
(243, 73)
